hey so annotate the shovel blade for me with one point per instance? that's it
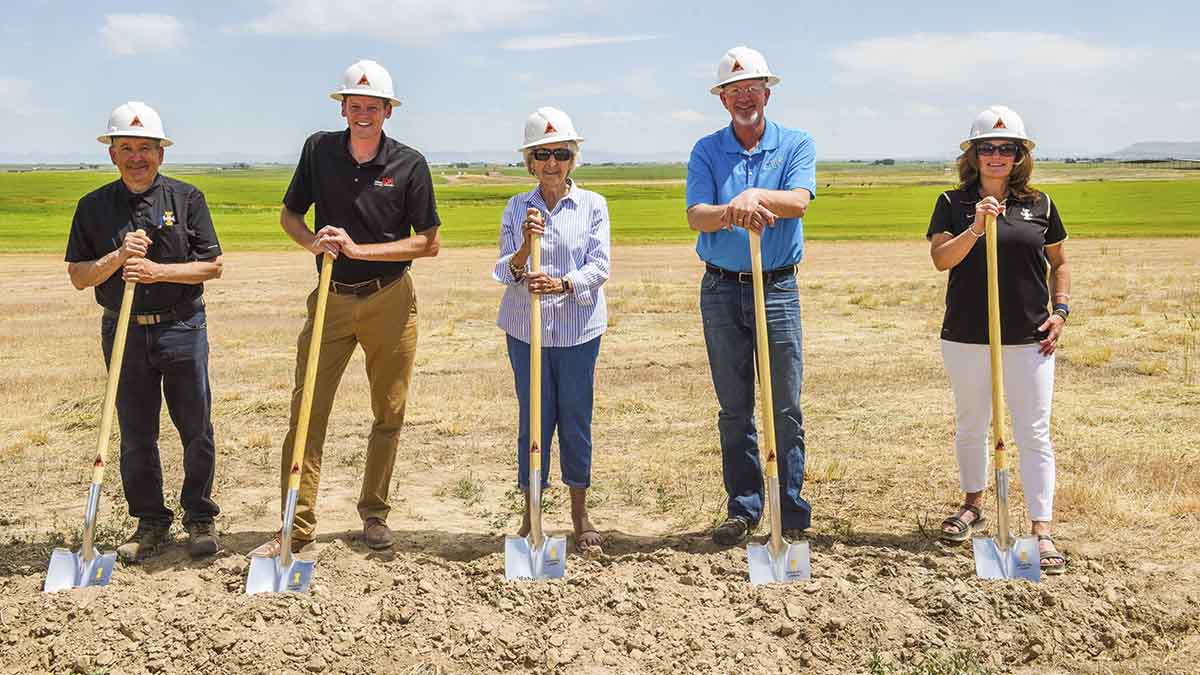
(269, 575)
(794, 563)
(1020, 561)
(524, 561)
(68, 570)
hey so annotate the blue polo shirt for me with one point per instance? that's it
(721, 169)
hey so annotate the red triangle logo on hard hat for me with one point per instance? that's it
(136, 122)
(737, 65)
(363, 80)
(999, 123)
(550, 128)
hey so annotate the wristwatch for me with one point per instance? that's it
(1062, 309)
(566, 284)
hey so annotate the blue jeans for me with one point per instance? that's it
(168, 359)
(568, 378)
(727, 308)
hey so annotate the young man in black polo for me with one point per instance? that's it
(166, 351)
(375, 211)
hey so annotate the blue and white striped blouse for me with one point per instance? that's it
(576, 246)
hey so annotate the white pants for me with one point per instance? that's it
(1028, 389)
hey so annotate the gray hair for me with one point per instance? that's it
(572, 145)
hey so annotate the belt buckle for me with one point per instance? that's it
(145, 319)
(745, 277)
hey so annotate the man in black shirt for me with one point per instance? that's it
(375, 212)
(166, 352)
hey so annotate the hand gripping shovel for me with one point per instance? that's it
(535, 556)
(1003, 556)
(89, 567)
(777, 561)
(285, 572)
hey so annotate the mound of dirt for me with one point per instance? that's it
(681, 607)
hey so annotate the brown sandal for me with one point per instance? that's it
(1052, 561)
(962, 529)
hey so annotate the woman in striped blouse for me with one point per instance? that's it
(575, 262)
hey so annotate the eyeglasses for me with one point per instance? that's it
(752, 90)
(1005, 150)
(560, 154)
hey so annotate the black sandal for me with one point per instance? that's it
(734, 531)
(962, 529)
(1058, 564)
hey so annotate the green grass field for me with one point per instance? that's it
(646, 203)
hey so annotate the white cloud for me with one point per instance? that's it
(132, 34)
(688, 115)
(15, 96)
(574, 89)
(538, 42)
(409, 20)
(936, 60)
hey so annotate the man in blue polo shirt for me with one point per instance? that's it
(752, 175)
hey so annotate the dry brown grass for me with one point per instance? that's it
(877, 405)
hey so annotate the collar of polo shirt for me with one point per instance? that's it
(769, 140)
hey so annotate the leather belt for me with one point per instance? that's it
(364, 288)
(178, 313)
(769, 276)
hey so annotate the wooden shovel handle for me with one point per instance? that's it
(114, 378)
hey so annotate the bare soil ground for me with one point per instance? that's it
(661, 599)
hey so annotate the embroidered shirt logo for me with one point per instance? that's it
(385, 181)
(168, 219)
(1027, 214)
(773, 163)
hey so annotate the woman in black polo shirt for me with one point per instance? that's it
(994, 171)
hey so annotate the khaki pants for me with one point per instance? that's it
(385, 324)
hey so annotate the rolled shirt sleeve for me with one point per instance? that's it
(595, 269)
(510, 239)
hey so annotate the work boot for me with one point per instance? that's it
(202, 538)
(377, 535)
(144, 542)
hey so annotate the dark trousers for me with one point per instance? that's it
(168, 359)
(727, 308)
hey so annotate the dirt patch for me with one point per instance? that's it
(884, 600)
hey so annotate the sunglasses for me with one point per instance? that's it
(1005, 150)
(560, 154)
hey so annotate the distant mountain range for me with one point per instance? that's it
(1144, 150)
(1158, 150)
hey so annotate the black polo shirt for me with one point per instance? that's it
(379, 201)
(1024, 230)
(174, 215)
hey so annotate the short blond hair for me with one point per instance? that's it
(573, 146)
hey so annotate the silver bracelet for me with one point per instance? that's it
(972, 231)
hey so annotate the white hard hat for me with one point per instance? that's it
(134, 119)
(998, 122)
(548, 125)
(742, 63)
(366, 78)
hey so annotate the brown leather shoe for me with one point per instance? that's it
(377, 535)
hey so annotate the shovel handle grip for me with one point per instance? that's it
(995, 343)
(107, 412)
(535, 362)
(762, 353)
(310, 371)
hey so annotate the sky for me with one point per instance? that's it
(866, 79)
